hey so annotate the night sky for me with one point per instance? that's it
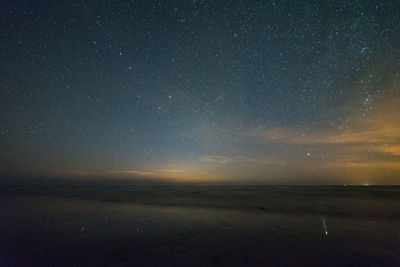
(201, 92)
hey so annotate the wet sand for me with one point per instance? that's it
(199, 226)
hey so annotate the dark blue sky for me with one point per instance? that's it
(223, 92)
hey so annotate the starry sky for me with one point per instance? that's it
(201, 92)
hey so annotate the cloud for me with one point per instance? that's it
(363, 143)
(369, 133)
(134, 172)
(387, 165)
(216, 159)
(389, 149)
(375, 128)
(162, 173)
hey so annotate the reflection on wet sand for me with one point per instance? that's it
(200, 226)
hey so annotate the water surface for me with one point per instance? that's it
(197, 226)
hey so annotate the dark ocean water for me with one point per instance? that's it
(199, 226)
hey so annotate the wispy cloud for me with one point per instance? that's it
(369, 133)
(216, 159)
(133, 172)
(374, 129)
(364, 143)
(166, 174)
